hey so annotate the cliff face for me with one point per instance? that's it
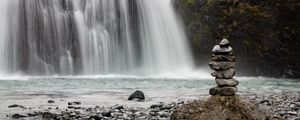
(264, 33)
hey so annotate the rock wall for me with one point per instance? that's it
(264, 33)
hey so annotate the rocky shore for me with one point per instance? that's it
(282, 106)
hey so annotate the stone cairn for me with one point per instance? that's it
(223, 62)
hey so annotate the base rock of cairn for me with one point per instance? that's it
(223, 62)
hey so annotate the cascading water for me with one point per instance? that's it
(73, 37)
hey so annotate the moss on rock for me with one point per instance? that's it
(264, 32)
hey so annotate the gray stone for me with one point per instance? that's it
(139, 95)
(224, 43)
(225, 74)
(220, 58)
(223, 91)
(222, 50)
(227, 82)
(221, 65)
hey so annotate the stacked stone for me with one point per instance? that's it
(223, 62)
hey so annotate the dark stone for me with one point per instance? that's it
(95, 117)
(48, 115)
(70, 107)
(32, 114)
(18, 116)
(223, 91)
(12, 106)
(221, 65)
(139, 95)
(225, 74)
(119, 107)
(222, 50)
(227, 82)
(51, 101)
(156, 106)
(106, 113)
(220, 58)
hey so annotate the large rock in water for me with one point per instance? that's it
(219, 108)
(138, 95)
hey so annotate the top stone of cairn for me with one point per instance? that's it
(224, 43)
(222, 48)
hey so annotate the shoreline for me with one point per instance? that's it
(285, 105)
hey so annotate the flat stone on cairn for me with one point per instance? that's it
(223, 62)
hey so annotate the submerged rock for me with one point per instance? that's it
(18, 116)
(138, 95)
(13, 106)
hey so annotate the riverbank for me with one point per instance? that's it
(283, 105)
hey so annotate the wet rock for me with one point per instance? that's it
(18, 116)
(51, 101)
(32, 114)
(227, 82)
(221, 65)
(13, 106)
(227, 74)
(223, 91)
(138, 95)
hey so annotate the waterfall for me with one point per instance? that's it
(89, 37)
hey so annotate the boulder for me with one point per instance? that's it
(223, 91)
(138, 95)
(227, 82)
(227, 74)
(219, 58)
(221, 65)
(222, 50)
(219, 108)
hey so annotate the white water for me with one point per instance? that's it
(91, 37)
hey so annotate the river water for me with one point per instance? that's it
(109, 90)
